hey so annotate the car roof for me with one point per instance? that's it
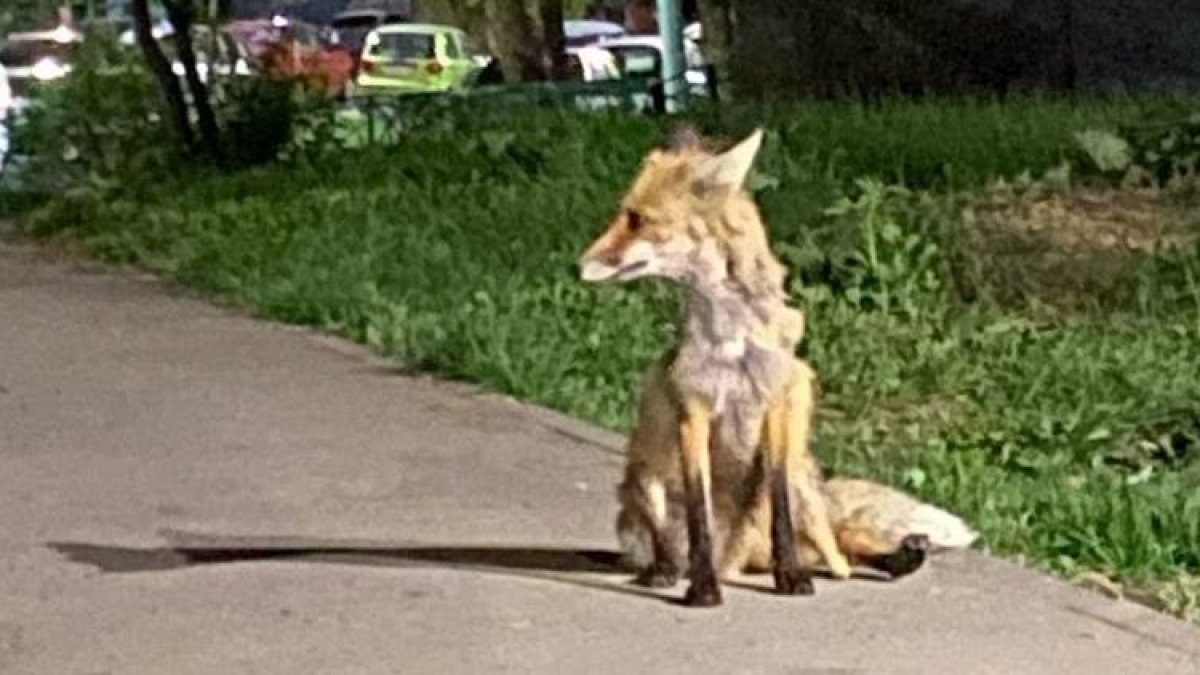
(651, 41)
(632, 41)
(581, 27)
(416, 28)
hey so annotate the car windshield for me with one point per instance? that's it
(24, 53)
(404, 46)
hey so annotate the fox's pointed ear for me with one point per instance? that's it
(729, 169)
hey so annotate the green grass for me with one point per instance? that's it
(1064, 436)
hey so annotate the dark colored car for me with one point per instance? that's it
(352, 26)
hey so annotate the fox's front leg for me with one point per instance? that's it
(642, 529)
(694, 434)
(790, 577)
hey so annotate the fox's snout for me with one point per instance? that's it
(617, 255)
(601, 255)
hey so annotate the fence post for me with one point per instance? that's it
(370, 107)
(674, 64)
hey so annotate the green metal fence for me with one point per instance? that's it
(375, 119)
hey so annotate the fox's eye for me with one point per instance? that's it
(634, 219)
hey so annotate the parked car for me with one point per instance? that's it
(37, 57)
(259, 39)
(285, 47)
(410, 58)
(641, 57)
(593, 64)
(350, 28)
(584, 64)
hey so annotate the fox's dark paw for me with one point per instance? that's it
(793, 581)
(909, 558)
(658, 575)
(703, 593)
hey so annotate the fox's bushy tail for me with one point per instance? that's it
(877, 510)
(945, 530)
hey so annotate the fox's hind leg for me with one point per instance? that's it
(650, 524)
(644, 533)
(870, 548)
(748, 546)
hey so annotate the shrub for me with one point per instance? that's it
(98, 126)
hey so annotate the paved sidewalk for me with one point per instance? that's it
(186, 490)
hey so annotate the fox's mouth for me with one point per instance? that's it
(596, 271)
(634, 267)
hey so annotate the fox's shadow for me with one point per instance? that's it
(578, 567)
(185, 551)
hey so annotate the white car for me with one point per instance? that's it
(5, 104)
(642, 56)
(583, 33)
(592, 64)
(36, 57)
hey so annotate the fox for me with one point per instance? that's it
(719, 476)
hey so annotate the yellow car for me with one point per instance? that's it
(413, 57)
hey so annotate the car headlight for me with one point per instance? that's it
(48, 69)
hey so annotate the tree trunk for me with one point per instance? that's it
(173, 100)
(466, 14)
(180, 14)
(513, 41)
(765, 59)
(815, 22)
(1070, 64)
(553, 38)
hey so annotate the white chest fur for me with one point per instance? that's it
(737, 379)
(731, 350)
(728, 361)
